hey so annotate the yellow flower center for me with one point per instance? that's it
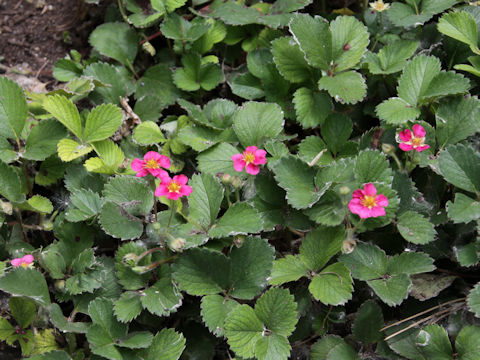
(368, 201)
(24, 265)
(173, 187)
(379, 6)
(249, 157)
(152, 164)
(416, 141)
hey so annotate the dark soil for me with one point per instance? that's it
(34, 34)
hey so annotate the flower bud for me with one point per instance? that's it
(59, 285)
(388, 148)
(148, 48)
(130, 259)
(348, 246)
(237, 183)
(239, 239)
(345, 190)
(6, 207)
(226, 179)
(47, 224)
(177, 244)
(156, 226)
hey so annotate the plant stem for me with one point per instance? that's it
(171, 215)
(237, 195)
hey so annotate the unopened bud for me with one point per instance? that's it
(226, 179)
(47, 225)
(237, 183)
(348, 246)
(177, 244)
(238, 241)
(344, 190)
(148, 48)
(130, 259)
(6, 207)
(156, 226)
(59, 285)
(388, 148)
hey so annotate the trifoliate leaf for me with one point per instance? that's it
(166, 345)
(464, 209)
(26, 282)
(461, 26)
(312, 108)
(392, 290)
(162, 298)
(320, 245)
(42, 140)
(206, 199)
(333, 285)
(115, 40)
(215, 34)
(128, 307)
(372, 166)
(289, 268)
(195, 75)
(368, 323)
(13, 107)
(366, 262)
(66, 112)
(148, 133)
(69, 149)
(215, 309)
(290, 60)
(102, 122)
(10, 184)
(240, 218)
(392, 57)
(417, 77)
(348, 87)
(415, 228)
(243, 329)
(460, 166)
(255, 122)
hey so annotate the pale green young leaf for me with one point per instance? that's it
(318, 48)
(214, 311)
(69, 149)
(128, 306)
(392, 57)
(333, 285)
(410, 263)
(110, 156)
(473, 300)
(415, 228)
(467, 344)
(348, 87)
(289, 268)
(215, 34)
(272, 347)
(102, 122)
(240, 218)
(320, 245)
(13, 109)
(392, 290)
(166, 345)
(464, 209)
(45, 342)
(206, 199)
(84, 204)
(460, 166)
(148, 133)
(116, 222)
(329, 210)
(368, 322)
(243, 329)
(40, 204)
(66, 112)
(42, 140)
(256, 122)
(10, 184)
(115, 40)
(26, 282)
(296, 178)
(396, 111)
(366, 262)
(461, 26)
(311, 107)
(434, 343)
(290, 60)
(372, 166)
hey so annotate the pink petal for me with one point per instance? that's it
(164, 162)
(160, 173)
(137, 164)
(28, 259)
(180, 179)
(162, 189)
(355, 206)
(358, 194)
(381, 200)
(238, 165)
(405, 135)
(142, 173)
(173, 196)
(252, 169)
(164, 177)
(422, 148)
(16, 262)
(369, 189)
(418, 131)
(185, 190)
(260, 158)
(152, 155)
(377, 211)
(251, 149)
(405, 147)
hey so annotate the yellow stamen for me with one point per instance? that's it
(249, 157)
(173, 187)
(417, 141)
(152, 164)
(24, 265)
(368, 201)
(379, 6)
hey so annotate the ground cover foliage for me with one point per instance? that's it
(249, 180)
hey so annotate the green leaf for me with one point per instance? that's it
(366, 262)
(60, 321)
(69, 150)
(177, 28)
(40, 204)
(101, 312)
(215, 309)
(312, 108)
(217, 159)
(457, 119)
(240, 218)
(66, 112)
(336, 131)
(473, 300)
(333, 285)
(464, 209)
(44, 342)
(427, 286)
(26, 282)
(461, 26)
(314, 152)
(256, 122)
(415, 228)
(214, 35)
(329, 210)
(132, 193)
(23, 310)
(202, 272)
(434, 343)
(52, 355)
(163, 298)
(396, 111)
(343, 352)
(10, 184)
(392, 57)
(136, 340)
(66, 70)
(368, 323)
(460, 166)
(115, 40)
(194, 75)
(317, 49)
(272, 347)
(324, 346)
(243, 329)
(247, 86)
(6, 329)
(117, 222)
(466, 343)
(42, 140)
(392, 290)
(101, 343)
(446, 83)
(206, 199)
(277, 310)
(372, 166)
(166, 345)
(404, 15)
(347, 87)
(148, 133)
(296, 178)
(102, 122)
(129, 279)
(128, 307)
(289, 268)
(290, 60)
(84, 204)
(13, 109)
(410, 263)
(320, 245)
(110, 158)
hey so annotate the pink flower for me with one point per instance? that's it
(250, 159)
(366, 203)
(152, 163)
(23, 261)
(417, 141)
(173, 188)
